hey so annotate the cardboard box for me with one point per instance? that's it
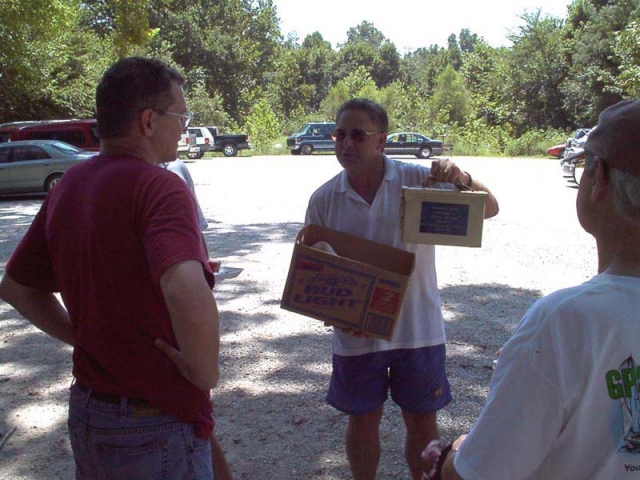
(361, 287)
(442, 217)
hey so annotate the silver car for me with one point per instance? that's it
(36, 165)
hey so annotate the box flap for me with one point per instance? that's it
(359, 249)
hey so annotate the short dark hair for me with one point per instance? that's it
(373, 110)
(128, 87)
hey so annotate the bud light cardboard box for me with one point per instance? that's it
(361, 285)
(442, 217)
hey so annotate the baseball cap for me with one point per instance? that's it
(616, 137)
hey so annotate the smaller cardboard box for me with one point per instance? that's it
(442, 217)
(362, 286)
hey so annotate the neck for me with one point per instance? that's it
(369, 178)
(620, 255)
(125, 147)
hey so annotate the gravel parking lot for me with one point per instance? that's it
(271, 417)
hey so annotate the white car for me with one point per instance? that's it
(204, 142)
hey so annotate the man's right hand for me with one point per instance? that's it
(354, 332)
(176, 357)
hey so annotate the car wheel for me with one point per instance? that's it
(561, 153)
(307, 149)
(229, 150)
(195, 155)
(52, 181)
(425, 152)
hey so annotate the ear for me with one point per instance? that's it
(147, 118)
(600, 182)
(382, 141)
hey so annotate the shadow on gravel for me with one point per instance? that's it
(274, 381)
(480, 318)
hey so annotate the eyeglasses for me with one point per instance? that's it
(358, 135)
(185, 118)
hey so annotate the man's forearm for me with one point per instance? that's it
(42, 309)
(195, 321)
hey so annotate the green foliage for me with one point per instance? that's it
(450, 102)
(627, 48)
(131, 25)
(263, 126)
(242, 75)
(536, 70)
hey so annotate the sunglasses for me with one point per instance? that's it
(357, 135)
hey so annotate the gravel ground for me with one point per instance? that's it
(271, 416)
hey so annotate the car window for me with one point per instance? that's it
(196, 131)
(4, 154)
(27, 153)
(66, 148)
(74, 137)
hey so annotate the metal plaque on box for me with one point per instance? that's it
(442, 217)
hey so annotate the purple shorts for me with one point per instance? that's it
(416, 378)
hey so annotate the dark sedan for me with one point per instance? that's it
(36, 165)
(409, 143)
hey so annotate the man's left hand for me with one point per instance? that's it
(445, 171)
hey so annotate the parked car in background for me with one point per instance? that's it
(579, 137)
(573, 163)
(557, 150)
(312, 137)
(80, 133)
(204, 142)
(36, 165)
(411, 143)
(229, 143)
(187, 144)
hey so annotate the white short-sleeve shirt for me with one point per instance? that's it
(337, 206)
(564, 400)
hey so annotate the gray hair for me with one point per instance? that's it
(625, 189)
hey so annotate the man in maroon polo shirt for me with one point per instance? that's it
(114, 240)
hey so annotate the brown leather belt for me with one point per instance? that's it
(141, 408)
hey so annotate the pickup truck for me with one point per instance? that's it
(228, 144)
(187, 144)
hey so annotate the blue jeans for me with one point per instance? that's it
(110, 442)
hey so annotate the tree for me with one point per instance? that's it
(367, 47)
(450, 100)
(357, 84)
(48, 62)
(627, 48)
(591, 33)
(235, 43)
(536, 71)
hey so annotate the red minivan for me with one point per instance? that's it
(80, 133)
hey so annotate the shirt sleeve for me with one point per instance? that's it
(170, 228)
(30, 264)
(524, 412)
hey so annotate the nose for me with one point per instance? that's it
(348, 141)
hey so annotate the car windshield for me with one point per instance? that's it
(66, 148)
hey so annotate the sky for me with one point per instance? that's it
(411, 24)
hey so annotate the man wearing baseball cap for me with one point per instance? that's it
(564, 400)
